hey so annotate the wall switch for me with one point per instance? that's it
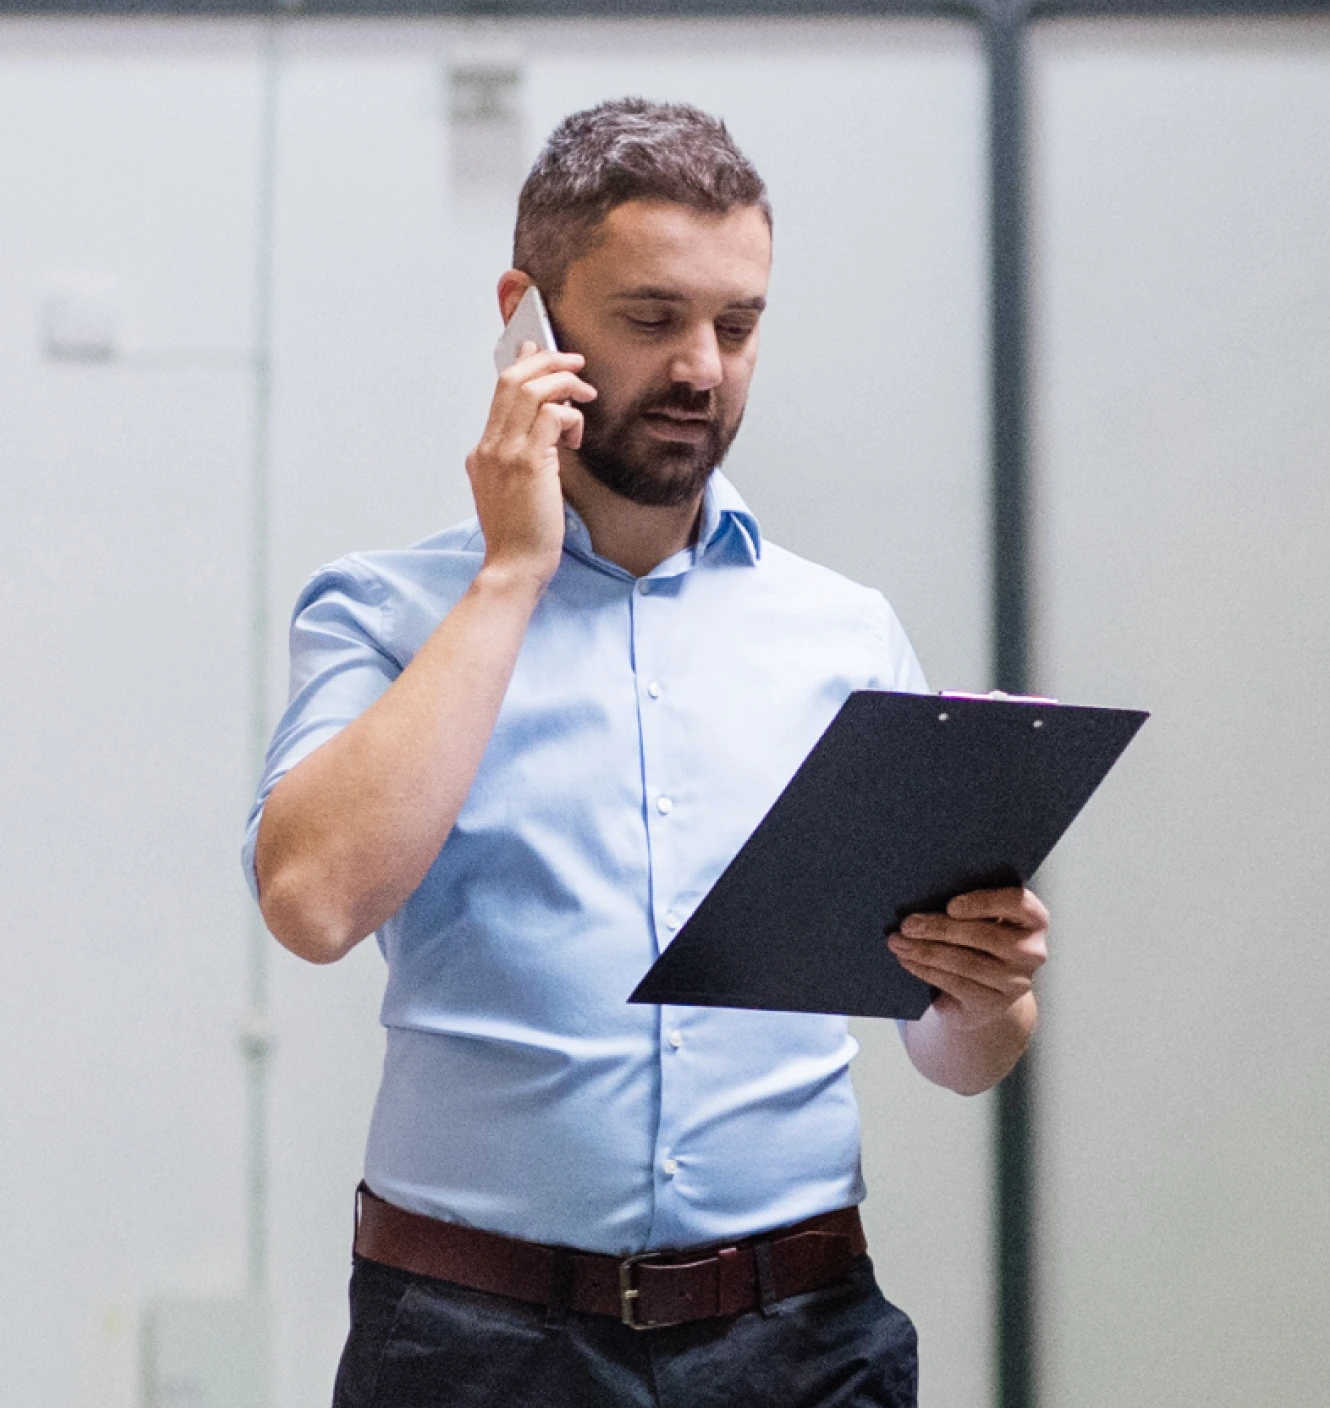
(81, 322)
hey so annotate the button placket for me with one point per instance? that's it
(654, 614)
(651, 614)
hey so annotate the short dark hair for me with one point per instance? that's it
(627, 149)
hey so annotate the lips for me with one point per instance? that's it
(682, 424)
(677, 427)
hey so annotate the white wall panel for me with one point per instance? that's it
(123, 749)
(1183, 281)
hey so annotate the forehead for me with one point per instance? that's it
(661, 245)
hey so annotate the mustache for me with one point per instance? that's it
(683, 398)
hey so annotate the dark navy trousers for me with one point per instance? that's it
(420, 1343)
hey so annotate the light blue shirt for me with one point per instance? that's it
(648, 727)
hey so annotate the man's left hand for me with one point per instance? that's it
(982, 953)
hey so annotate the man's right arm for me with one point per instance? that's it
(350, 831)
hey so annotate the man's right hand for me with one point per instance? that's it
(514, 470)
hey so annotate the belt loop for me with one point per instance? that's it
(730, 1299)
(561, 1288)
(766, 1279)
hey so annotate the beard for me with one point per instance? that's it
(619, 451)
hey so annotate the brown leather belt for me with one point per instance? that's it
(645, 1292)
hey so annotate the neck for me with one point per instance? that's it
(638, 537)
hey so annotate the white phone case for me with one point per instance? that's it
(529, 323)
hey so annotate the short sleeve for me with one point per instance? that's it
(900, 667)
(340, 665)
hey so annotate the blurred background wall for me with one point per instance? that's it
(246, 311)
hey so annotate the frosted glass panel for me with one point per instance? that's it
(1183, 433)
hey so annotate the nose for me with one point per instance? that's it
(697, 363)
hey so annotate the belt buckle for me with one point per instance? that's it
(629, 1294)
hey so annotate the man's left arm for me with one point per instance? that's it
(982, 954)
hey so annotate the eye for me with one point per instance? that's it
(649, 324)
(735, 332)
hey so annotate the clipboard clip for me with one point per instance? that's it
(997, 694)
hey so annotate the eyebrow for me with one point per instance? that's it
(666, 295)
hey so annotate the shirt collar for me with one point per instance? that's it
(723, 506)
(725, 516)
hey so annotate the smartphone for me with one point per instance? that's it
(529, 323)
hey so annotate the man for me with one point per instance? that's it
(522, 752)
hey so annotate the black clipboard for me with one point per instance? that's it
(904, 802)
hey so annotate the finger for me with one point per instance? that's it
(1005, 942)
(514, 419)
(1011, 977)
(524, 450)
(559, 425)
(978, 1003)
(556, 385)
(533, 362)
(1012, 904)
(515, 412)
(574, 423)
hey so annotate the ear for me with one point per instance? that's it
(512, 286)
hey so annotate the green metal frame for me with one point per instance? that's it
(1005, 25)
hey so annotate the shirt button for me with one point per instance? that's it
(643, 586)
(671, 1167)
(653, 689)
(676, 1040)
(664, 805)
(672, 920)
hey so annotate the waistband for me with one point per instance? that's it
(645, 1291)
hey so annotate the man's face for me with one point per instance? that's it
(665, 310)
